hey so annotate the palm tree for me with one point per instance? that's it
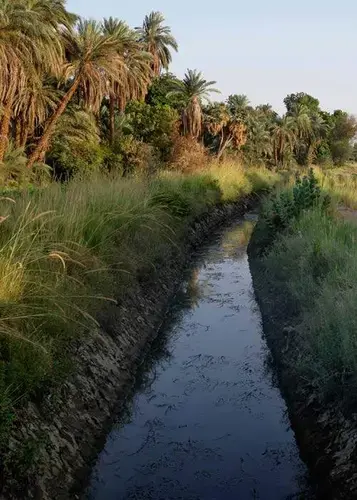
(134, 75)
(29, 44)
(266, 112)
(52, 12)
(157, 39)
(284, 140)
(193, 89)
(230, 129)
(259, 143)
(238, 105)
(93, 60)
(32, 106)
(319, 131)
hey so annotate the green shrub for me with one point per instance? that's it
(67, 161)
(185, 195)
(136, 157)
(281, 209)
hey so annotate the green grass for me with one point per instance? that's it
(66, 250)
(310, 268)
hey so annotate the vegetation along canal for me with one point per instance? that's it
(206, 420)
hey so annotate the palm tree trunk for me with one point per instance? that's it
(5, 127)
(42, 156)
(17, 132)
(111, 118)
(50, 126)
(24, 133)
(6, 118)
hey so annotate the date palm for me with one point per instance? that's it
(158, 40)
(134, 73)
(32, 106)
(259, 143)
(92, 61)
(283, 139)
(238, 105)
(193, 89)
(29, 44)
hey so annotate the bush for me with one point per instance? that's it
(135, 156)
(75, 147)
(154, 125)
(280, 210)
(67, 161)
(187, 155)
(185, 195)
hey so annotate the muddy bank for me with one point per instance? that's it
(326, 437)
(60, 438)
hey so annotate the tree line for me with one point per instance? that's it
(79, 95)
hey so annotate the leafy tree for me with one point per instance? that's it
(343, 131)
(157, 40)
(153, 124)
(354, 152)
(159, 92)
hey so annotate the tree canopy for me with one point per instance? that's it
(112, 82)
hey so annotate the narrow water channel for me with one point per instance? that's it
(206, 420)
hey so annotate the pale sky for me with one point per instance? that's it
(265, 49)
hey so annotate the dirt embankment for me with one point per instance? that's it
(60, 438)
(326, 437)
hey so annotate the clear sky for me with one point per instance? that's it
(262, 48)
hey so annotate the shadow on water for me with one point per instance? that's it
(205, 419)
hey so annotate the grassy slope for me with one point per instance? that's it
(66, 249)
(312, 267)
(305, 278)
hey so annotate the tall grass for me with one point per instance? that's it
(315, 265)
(341, 184)
(310, 270)
(235, 181)
(65, 250)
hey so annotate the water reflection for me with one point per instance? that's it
(205, 420)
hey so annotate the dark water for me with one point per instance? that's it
(206, 420)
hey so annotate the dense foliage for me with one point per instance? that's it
(80, 95)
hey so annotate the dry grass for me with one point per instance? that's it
(341, 184)
(187, 155)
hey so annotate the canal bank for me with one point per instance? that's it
(205, 419)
